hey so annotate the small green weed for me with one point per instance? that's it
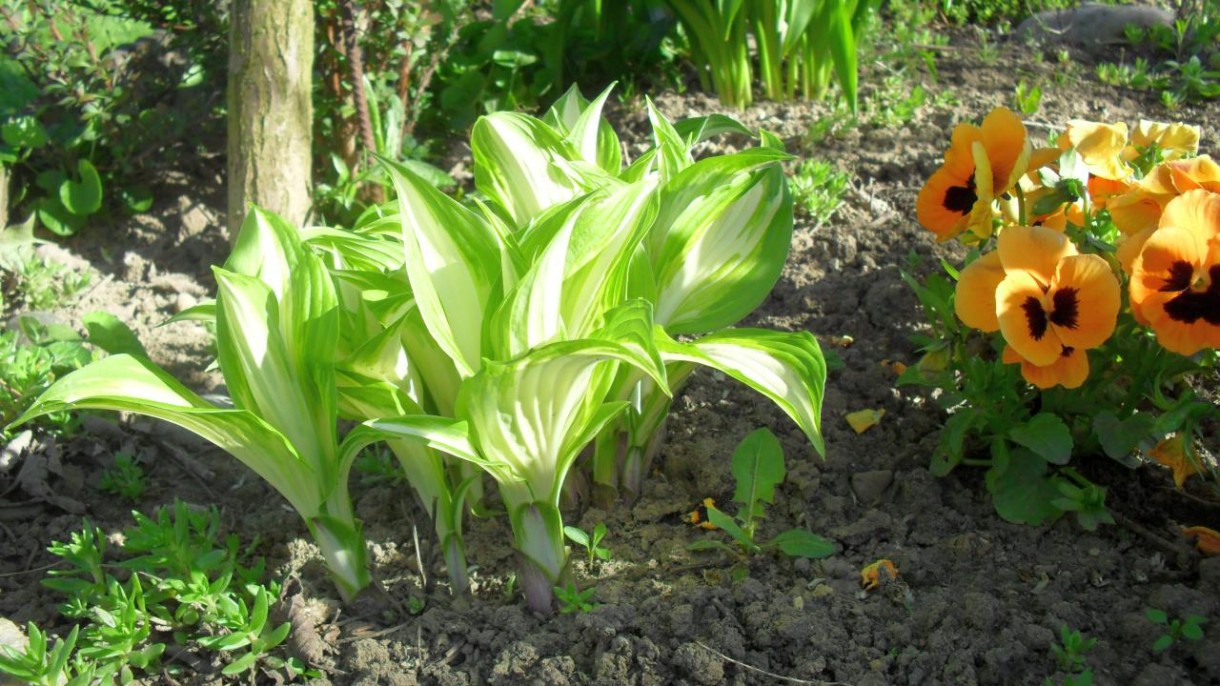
(590, 542)
(572, 599)
(818, 189)
(758, 467)
(1189, 628)
(1027, 99)
(173, 581)
(1071, 649)
(124, 478)
(30, 360)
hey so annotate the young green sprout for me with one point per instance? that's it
(591, 543)
(758, 467)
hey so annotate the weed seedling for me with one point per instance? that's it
(758, 467)
(124, 478)
(1071, 649)
(1027, 99)
(1189, 628)
(591, 543)
(572, 599)
(818, 189)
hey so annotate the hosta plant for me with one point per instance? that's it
(711, 255)
(277, 330)
(539, 313)
(1089, 313)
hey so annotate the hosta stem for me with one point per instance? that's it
(538, 533)
(342, 544)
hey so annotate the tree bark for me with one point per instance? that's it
(270, 108)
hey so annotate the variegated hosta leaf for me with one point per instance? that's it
(267, 247)
(123, 383)
(582, 124)
(581, 263)
(259, 370)
(526, 166)
(673, 152)
(441, 377)
(358, 251)
(720, 241)
(453, 261)
(384, 359)
(534, 414)
(786, 367)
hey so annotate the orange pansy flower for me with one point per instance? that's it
(1052, 298)
(982, 163)
(1197, 172)
(1100, 147)
(1174, 140)
(1174, 453)
(1069, 370)
(1175, 279)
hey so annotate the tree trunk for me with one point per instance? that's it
(270, 108)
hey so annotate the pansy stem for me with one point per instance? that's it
(1022, 215)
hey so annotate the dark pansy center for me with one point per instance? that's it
(1191, 305)
(1035, 318)
(1067, 351)
(961, 199)
(1180, 274)
(1065, 306)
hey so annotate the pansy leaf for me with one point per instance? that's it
(1046, 436)
(1022, 492)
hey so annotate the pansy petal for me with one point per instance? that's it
(1175, 139)
(945, 202)
(1130, 248)
(1198, 172)
(1085, 301)
(1070, 370)
(974, 301)
(1008, 148)
(1022, 310)
(1033, 249)
(1135, 211)
(1197, 211)
(1100, 146)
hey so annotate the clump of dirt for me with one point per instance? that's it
(976, 600)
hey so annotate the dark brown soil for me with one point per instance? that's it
(978, 600)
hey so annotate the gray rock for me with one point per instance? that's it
(1091, 26)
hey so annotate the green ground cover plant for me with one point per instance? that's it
(1084, 314)
(174, 580)
(1189, 628)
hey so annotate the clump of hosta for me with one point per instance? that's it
(542, 321)
(277, 328)
(1087, 312)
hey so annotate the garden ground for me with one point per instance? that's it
(977, 600)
